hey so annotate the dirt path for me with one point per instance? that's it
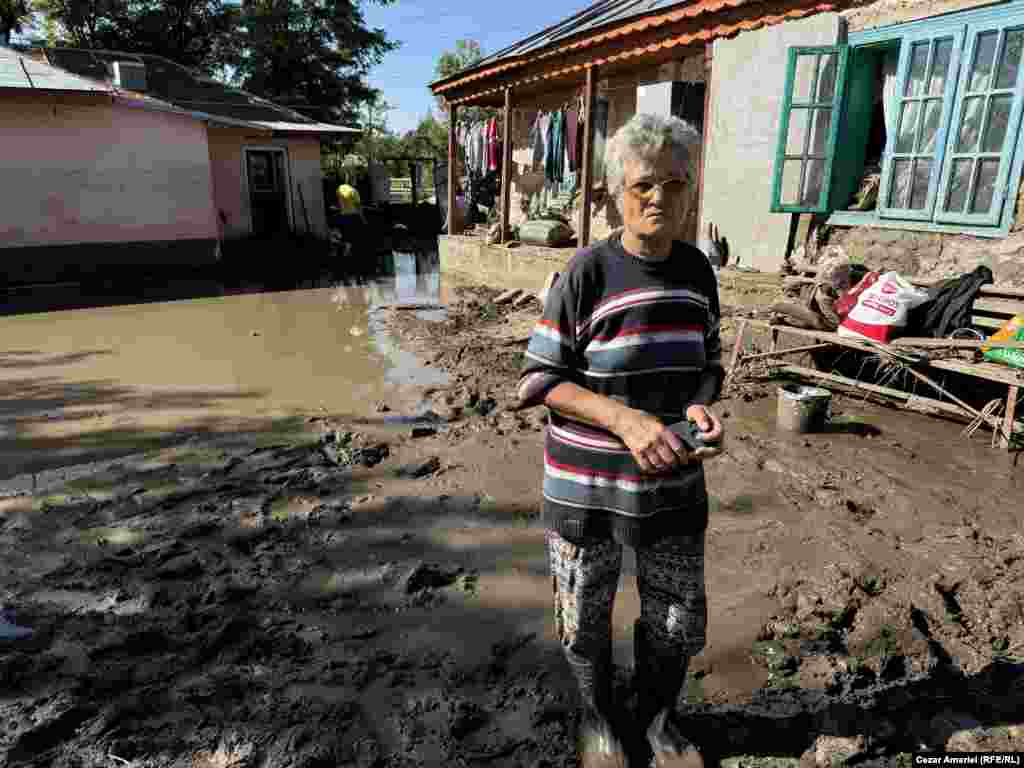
(373, 590)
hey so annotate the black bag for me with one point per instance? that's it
(949, 305)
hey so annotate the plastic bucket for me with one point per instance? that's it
(803, 409)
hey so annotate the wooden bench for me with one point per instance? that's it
(992, 308)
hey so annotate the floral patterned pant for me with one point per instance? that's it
(670, 577)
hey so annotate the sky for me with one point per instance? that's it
(427, 28)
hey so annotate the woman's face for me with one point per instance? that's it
(655, 196)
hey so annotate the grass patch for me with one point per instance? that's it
(871, 584)
(117, 537)
(883, 644)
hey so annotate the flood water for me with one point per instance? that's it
(114, 375)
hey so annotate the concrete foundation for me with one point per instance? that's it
(525, 266)
(933, 256)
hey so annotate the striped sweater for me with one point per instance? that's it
(643, 333)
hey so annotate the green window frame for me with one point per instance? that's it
(914, 152)
(988, 112)
(815, 78)
(954, 150)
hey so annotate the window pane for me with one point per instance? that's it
(814, 181)
(827, 78)
(932, 116)
(919, 188)
(908, 127)
(791, 172)
(985, 185)
(805, 64)
(918, 65)
(984, 53)
(940, 67)
(970, 124)
(796, 140)
(900, 184)
(819, 130)
(1009, 64)
(959, 181)
(998, 120)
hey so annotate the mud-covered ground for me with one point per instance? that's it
(373, 590)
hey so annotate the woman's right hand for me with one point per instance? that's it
(654, 447)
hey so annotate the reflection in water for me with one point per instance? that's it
(170, 365)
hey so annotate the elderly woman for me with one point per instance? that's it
(628, 345)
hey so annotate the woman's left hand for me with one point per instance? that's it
(711, 429)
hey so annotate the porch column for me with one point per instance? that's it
(588, 155)
(453, 225)
(506, 168)
(705, 129)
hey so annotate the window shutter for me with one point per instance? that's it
(917, 128)
(984, 126)
(815, 82)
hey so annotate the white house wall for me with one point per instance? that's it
(748, 75)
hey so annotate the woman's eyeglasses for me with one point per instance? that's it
(644, 190)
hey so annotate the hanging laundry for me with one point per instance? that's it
(492, 145)
(553, 160)
(572, 122)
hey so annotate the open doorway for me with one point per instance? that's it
(266, 171)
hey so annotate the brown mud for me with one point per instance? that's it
(367, 585)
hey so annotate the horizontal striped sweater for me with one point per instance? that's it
(643, 333)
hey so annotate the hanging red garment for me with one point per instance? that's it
(492, 145)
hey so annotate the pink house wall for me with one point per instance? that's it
(101, 173)
(230, 192)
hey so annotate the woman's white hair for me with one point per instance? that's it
(643, 137)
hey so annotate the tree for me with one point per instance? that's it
(189, 32)
(13, 14)
(428, 139)
(311, 55)
(466, 54)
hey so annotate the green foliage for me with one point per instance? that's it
(190, 32)
(310, 55)
(466, 54)
(13, 15)
(883, 644)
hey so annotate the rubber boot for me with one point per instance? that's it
(598, 745)
(658, 681)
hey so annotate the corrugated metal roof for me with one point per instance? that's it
(600, 14)
(196, 94)
(20, 71)
(768, 14)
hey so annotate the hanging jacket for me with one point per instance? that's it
(949, 305)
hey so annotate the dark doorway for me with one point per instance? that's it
(268, 185)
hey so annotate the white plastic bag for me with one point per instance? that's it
(882, 309)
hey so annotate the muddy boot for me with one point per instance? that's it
(598, 745)
(658, 680)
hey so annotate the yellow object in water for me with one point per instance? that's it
(348, 199)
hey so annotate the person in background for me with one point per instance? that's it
(629, 343)
(352, 220)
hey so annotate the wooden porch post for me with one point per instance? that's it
(506, 168)
(705, 129)
(453, 225)
(413, 167)
(588, 155)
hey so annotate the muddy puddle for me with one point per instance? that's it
(369, 586)
(77, 385)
